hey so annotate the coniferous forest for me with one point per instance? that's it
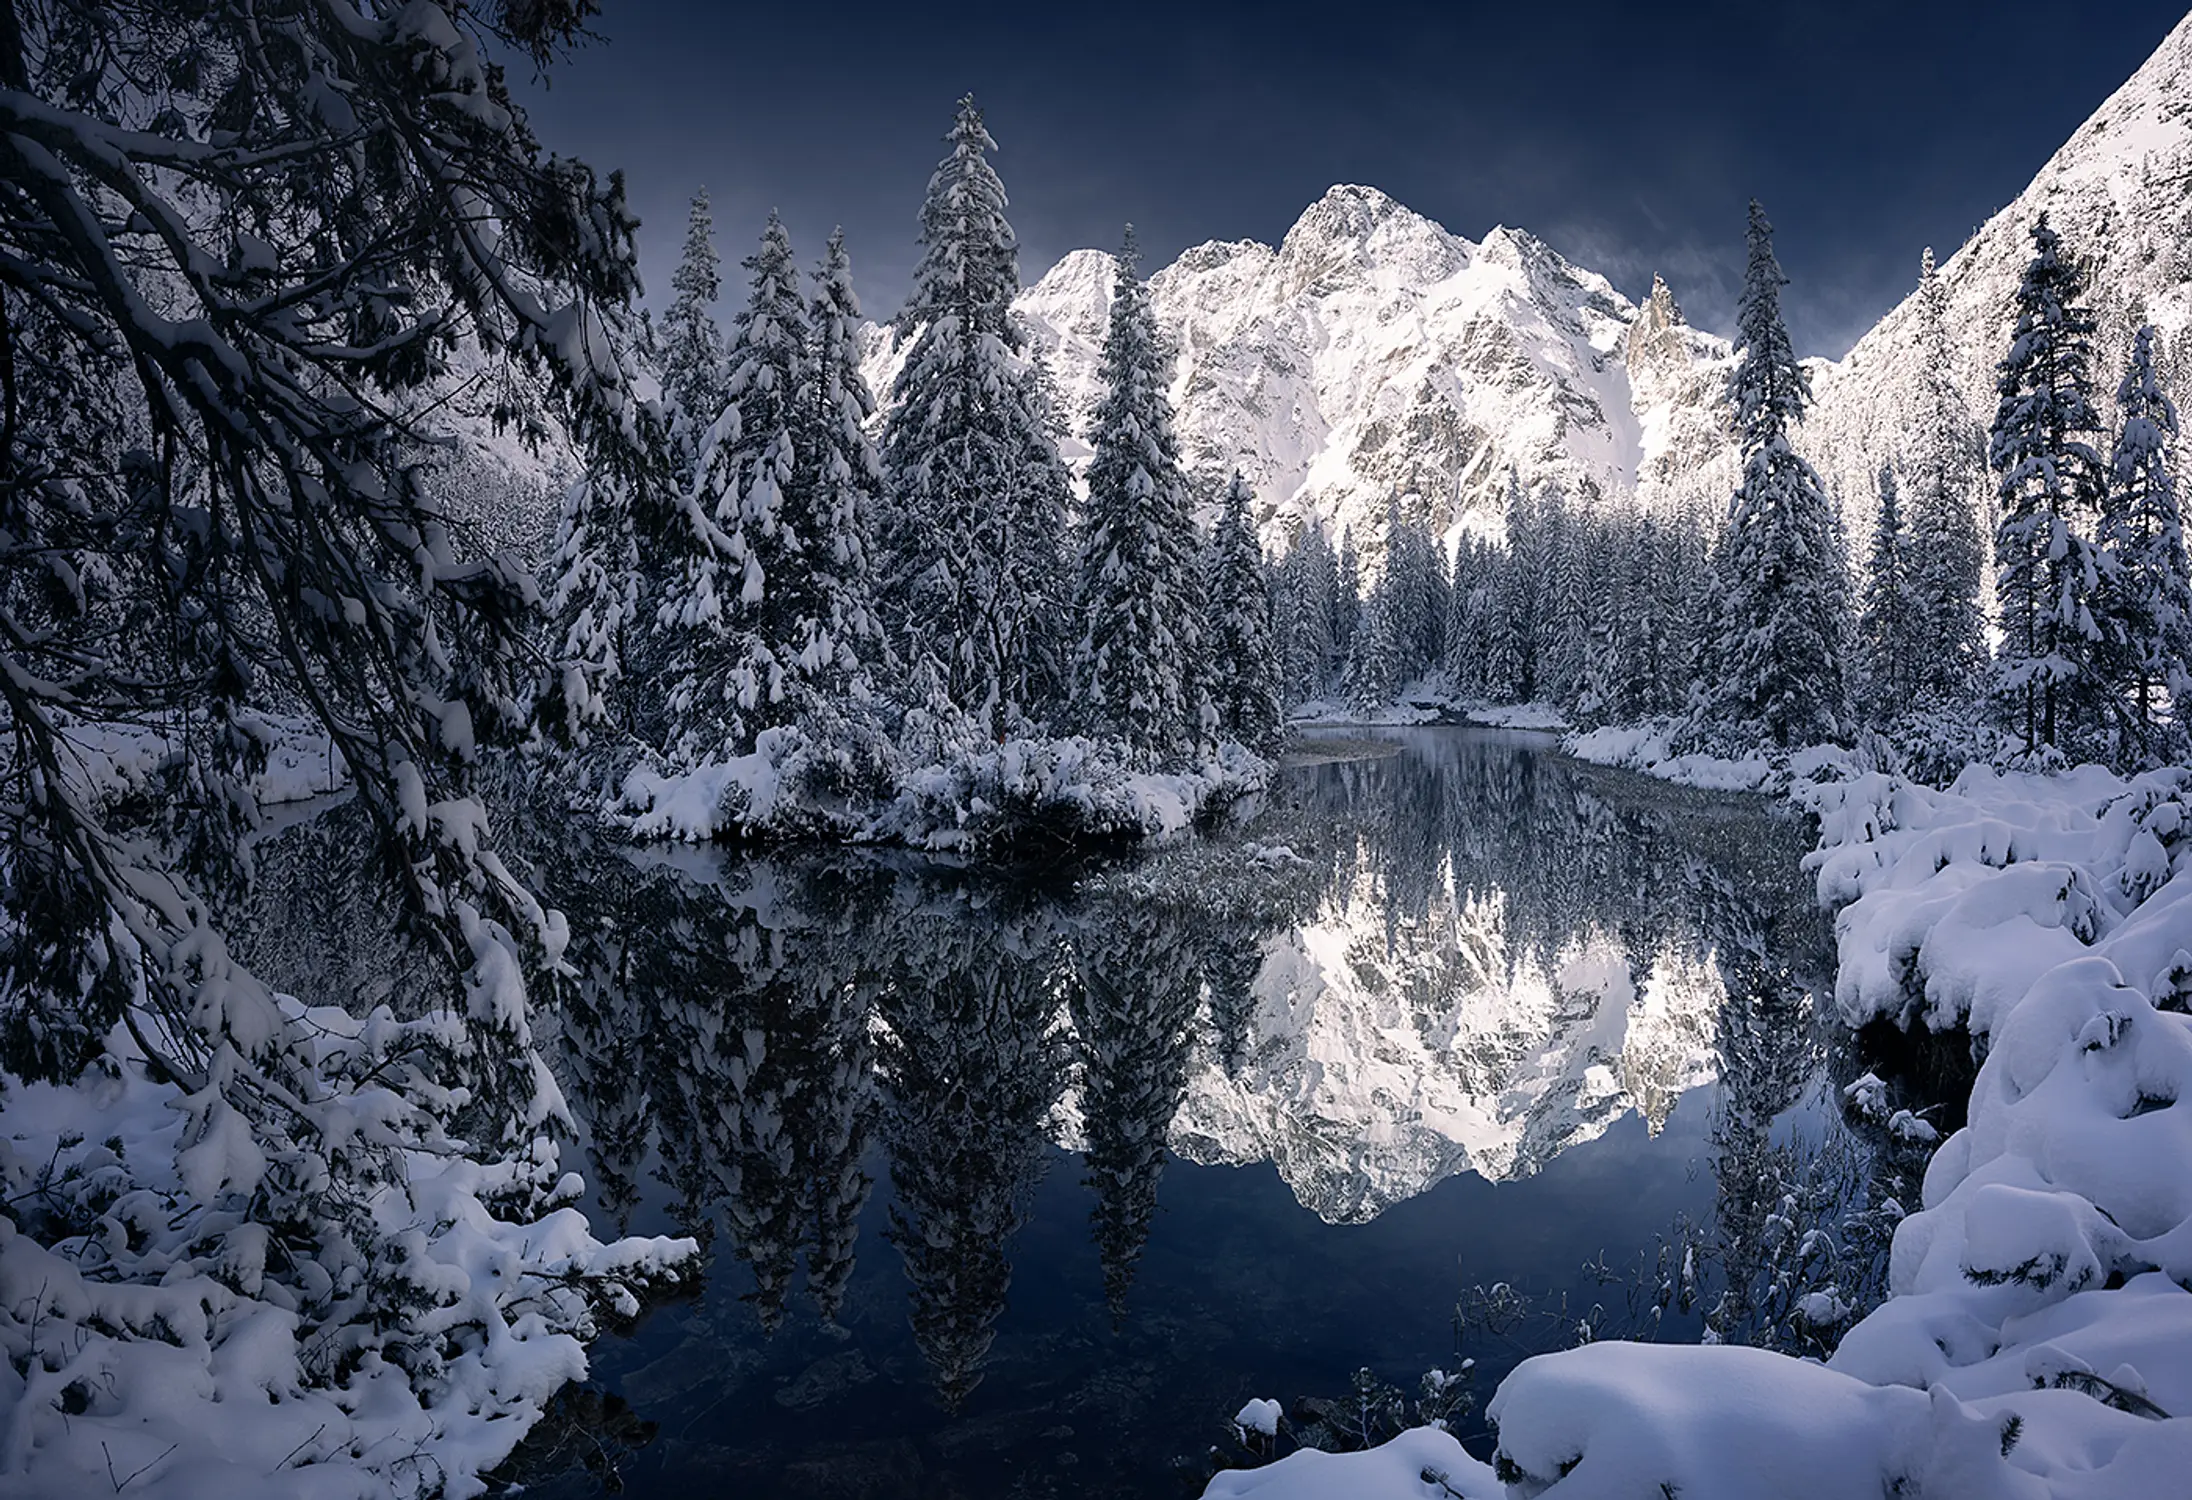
(375, 1039)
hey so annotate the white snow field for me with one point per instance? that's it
(2037, 1342)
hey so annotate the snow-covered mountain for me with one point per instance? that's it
(2118, 194)
(1374, 351)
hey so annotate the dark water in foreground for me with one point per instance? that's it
(1018, 1182)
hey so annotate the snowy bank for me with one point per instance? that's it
(1650, 747)
(2037, 1340)
(973, 797)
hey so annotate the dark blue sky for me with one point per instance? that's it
(1629, 136)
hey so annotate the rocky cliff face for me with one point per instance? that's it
(1372, 350)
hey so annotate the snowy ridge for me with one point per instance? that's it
(1385, 1063)
(2116, 194)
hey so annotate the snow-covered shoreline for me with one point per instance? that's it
(2037, 1341)
(977, 797)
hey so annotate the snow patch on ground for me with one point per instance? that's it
(1426, 1464)
(1332, 711)
(1519, 716)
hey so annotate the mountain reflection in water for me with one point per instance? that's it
(903, 1099)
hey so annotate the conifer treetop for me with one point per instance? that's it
(1770, 389)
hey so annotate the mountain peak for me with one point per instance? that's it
(1348, 210)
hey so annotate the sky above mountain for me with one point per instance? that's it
(1629, 137)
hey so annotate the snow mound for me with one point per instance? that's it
(1426, 1464)
(971, 797)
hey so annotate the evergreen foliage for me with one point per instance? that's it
(1889, 630)
(1308, 603)
(2143, 532)
(2051, 673)
(239, 254)
(1779, 664)
(1563, 612)
(1135, 664)
(975, 536)
(1944, 558)
(695, 367)
(1511, 654)
(1243, 670)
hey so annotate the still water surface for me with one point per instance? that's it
(1019, 1181)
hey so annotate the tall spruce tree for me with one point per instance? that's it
(1945, 554)
(1243, 672)
(723, 611)
(695, 369)
(975, 536)
(1346, 598)
(1779, 672)
(2050, 685)
(1889, 631)
(831, 627)
(1135, 664)
(1511, 650)
(1373, 677)
(1308, 582)
(1604, 690)
(2144, 533)
(1563, 616)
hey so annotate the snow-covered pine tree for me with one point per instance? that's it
(1944, 559)
(1135, 664)
(2144, 533)
(1782, 614)
(974, 542)
(1373, 677)
(1652, 600)
(239, 266)
(2050, 687)
(1890, 632)
(836, 638)
(1308, 582)
(1427, 585)
(1346, 599)
(1690, 585)
(1599, 685)
(1462, 657)
(724, 612)
(695, 367)
(1511, 649)
(1243, 671)
(1563, 618)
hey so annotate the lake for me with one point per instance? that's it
(1019, 1180)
